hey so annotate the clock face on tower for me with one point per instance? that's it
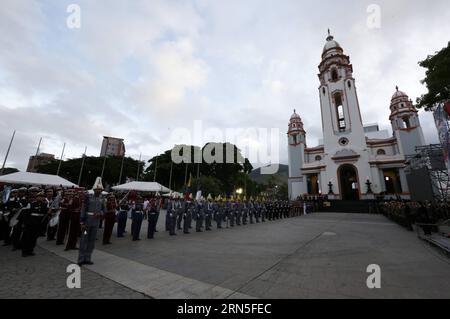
(343, 141)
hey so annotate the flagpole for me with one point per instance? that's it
(39, 146)
(139, 167)
(103, 167)
(198, 174)
(156, 168)
(60, 160)
(121, 169)
(7, 152)
(82, 165)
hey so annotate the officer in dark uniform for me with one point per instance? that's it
(257, 210)
(74, 224)
(238, 211)
(32, 223)
(152, 217)
(232, 213)
(17, 228)
(187, 216)
(172, 215)
(181, 207)
(10, 209)
(251, 210)
(227, 212)
(124, 208)
(244, 211)
(92, 211)
(53, 205)
(209, 211)
(137, 216)
(199, 216)
(218, 208)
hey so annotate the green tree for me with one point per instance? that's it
(224, 170)
(437, 79)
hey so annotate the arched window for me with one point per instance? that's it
(349, 83)
(318, 158)
(340, 112)
(334, 75)
(406, 122)
(381, 152)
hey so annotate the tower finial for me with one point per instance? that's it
(329, 37)
(294, 111)
(396, 87)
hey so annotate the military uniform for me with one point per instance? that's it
(244, 212)
(32, 224)
(17, 219)
(172, 216)
(54, 209)
(64, 216)
(218, 208)
(158, 209)
(209, 210)
(137, 216)
(199, 216)
(122, 217)
(110, 219)
(238, 213)
(187, 216)
(74, 220)
(91, 213)
(10, 209)
(152, 217)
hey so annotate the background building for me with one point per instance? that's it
(354, 161)
(112, 146)
(37, 160)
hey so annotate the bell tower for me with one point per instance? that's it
(405, 123)
(296, 151)
(341, 116)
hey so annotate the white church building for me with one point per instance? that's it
(355, 161)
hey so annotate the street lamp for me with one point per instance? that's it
(330, 188)
(369, 188)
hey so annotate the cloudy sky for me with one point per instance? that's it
(141, 70)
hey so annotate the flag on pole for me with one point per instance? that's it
(188, 187)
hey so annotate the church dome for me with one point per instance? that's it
(401, 104)
(295, 123)
(398, 94)
(331, 43)
(295, 116)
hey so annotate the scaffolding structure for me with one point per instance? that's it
(431, 158)
(434, 158)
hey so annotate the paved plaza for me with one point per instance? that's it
(322, 255)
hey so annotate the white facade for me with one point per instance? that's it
(354, 161)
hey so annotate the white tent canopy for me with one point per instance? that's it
(27, 178)
(142, 187)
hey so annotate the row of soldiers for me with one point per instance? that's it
(225, 213)
(26, 214)
(67, 215)
(182, 213)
